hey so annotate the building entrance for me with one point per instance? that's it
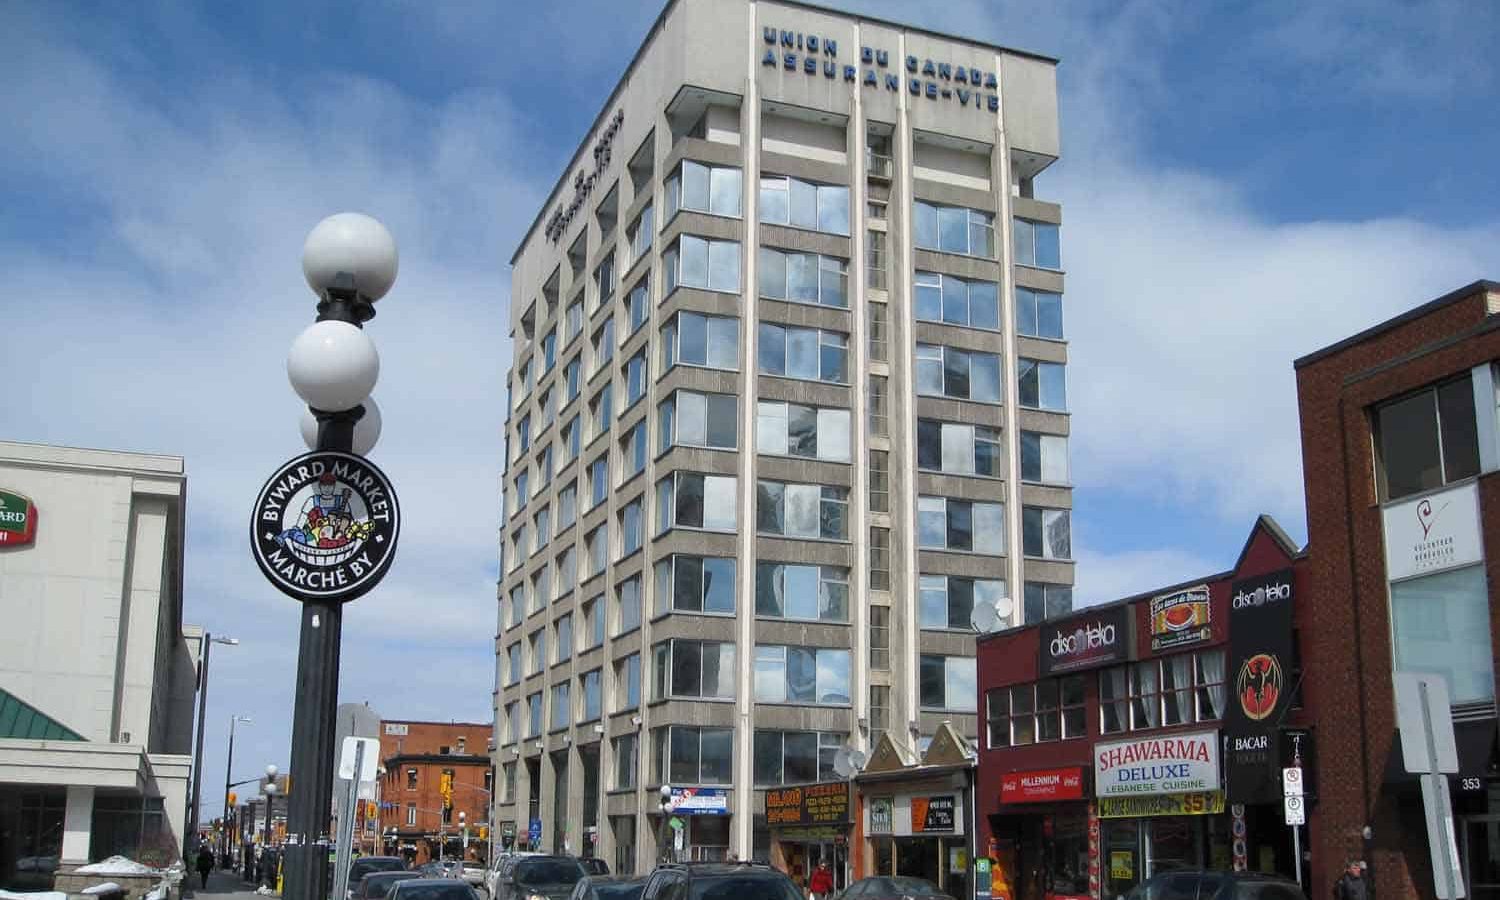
(1480, 847)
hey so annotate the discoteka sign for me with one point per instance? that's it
(1169, 764)
(1090, 639)
(325, 527)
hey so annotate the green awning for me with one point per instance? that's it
(19, 719)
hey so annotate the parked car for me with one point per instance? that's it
(445, 868)
(719, 881)
(890, 887)
(432, 889)
(503, 862)
(594, 865)
(1216, 885)
(550, 877)
(472, 872)
(364, 865)
(608, 887)
(376, 885)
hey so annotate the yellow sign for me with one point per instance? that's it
(1198, 803)
(1122, 865)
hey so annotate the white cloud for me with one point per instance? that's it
(1104, 577)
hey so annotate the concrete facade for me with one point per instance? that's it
(98, 646)
(915, 128)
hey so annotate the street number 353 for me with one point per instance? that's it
(1471, 784)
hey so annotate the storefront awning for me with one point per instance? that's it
(1476, 750)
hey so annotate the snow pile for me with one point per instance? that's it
(158, 893)
(116, 865)
(34, 895)
(108, 887)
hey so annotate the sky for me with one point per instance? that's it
(1241, 184)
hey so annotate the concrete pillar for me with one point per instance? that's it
(78, 821)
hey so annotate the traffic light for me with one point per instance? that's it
(484, 832)
(371, 810)
(232, 798)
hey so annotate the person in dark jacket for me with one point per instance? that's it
(1352, 884)
(205, 863)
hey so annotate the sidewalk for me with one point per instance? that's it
(222, 885)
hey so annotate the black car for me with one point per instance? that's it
(548, 877)
(1212, 885)
(719, 881)
(608, 887)
(885, 887)
(432, 889)
(364, 865)
(376, 885)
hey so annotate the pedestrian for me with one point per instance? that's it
(205, 863)
(1352, 885)
(820, 885)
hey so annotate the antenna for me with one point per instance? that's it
(990, 616)
(848, 762)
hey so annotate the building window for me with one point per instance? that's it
(947, 601)
(694, 339)
(544, 468)
(1441, 623)
(574, 322)
(879, 322)
(537, 644)
(697, 262)
(523, 490)
(562, 705)
(802, 510)
(807, 593)
(411, 779)
(513, 722)
(1175, 690)
(1046, 601)
(572, 439)
(527, 381)
(534, 715)
(602, 409)
(795, 757)
(635, 378)
(604, 344)
(543, 526)
(810, 432)
(954, 229)
(640, 234)
(958, 374)
(880, 638)
(1042, 385)
(630, 528)
(1046, 533)
(709, 189)
(567, 506)
(573, 379)
(512, 667)
(633, 451)
(518, 608)
(523, 436)
(685, 754)
(598, 476)
(596, 545)
(691, 419)
(548, 405)
(411, 814)
(593, 702)
(947, 683)
(628, 601)
(695, 500)
(593, 622)
(808, 675)
(549, 351)
(880, 708)
(804, 278)
(1037, 244)
(803, 204)
(880, 559)
(954, 301)
(508, 786)
(604, 281)
(1039, 313)
(695, 584)
(880, 481)
(946, 523)
(627, 746)
(1427, 440)
(1050, 710)
(1044, 458)
(563, 640)
(541, 590)
(879, 410)
(698, 670)
(958, 449)
(628, 683)
(638, 304)
(806, 353)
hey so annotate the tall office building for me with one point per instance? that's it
(788, 402)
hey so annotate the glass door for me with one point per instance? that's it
(1481, 856)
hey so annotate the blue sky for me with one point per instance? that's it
(1242, 183)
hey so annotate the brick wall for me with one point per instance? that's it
(1346, 629)
(421, 750)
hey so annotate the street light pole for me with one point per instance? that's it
(190, 838)
(229, 767)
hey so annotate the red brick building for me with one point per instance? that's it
(420, 816)
(1400, 453)
(1064, 701)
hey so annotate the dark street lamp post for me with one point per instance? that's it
(228, 767)
(190, 838)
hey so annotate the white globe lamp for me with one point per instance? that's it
(366, 430)
(333, 365)
(353, 245)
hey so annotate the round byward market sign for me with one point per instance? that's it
(325, 526)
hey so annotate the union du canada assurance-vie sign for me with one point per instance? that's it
(1169, 764)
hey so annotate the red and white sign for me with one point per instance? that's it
(1168, 764)
(1042, 785)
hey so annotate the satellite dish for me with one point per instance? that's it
(857, 759)
(987, 617)
(847, 762)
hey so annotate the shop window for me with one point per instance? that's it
(1427, 440)
(795, 757)
(684, 754)
(1049, 710)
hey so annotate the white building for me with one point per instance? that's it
(98, 673)
(788, 405)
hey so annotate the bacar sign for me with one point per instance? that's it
(325, 527)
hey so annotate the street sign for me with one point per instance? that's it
(677, 840)
(1294, 810)
(534, 830)
(1291, 781)
(325, 526)
(675, 824)
(367, 765)
(1422, 707)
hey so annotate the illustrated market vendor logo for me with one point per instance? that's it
(325, 526)
(17, 519)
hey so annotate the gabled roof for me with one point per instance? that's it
(19, 719)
